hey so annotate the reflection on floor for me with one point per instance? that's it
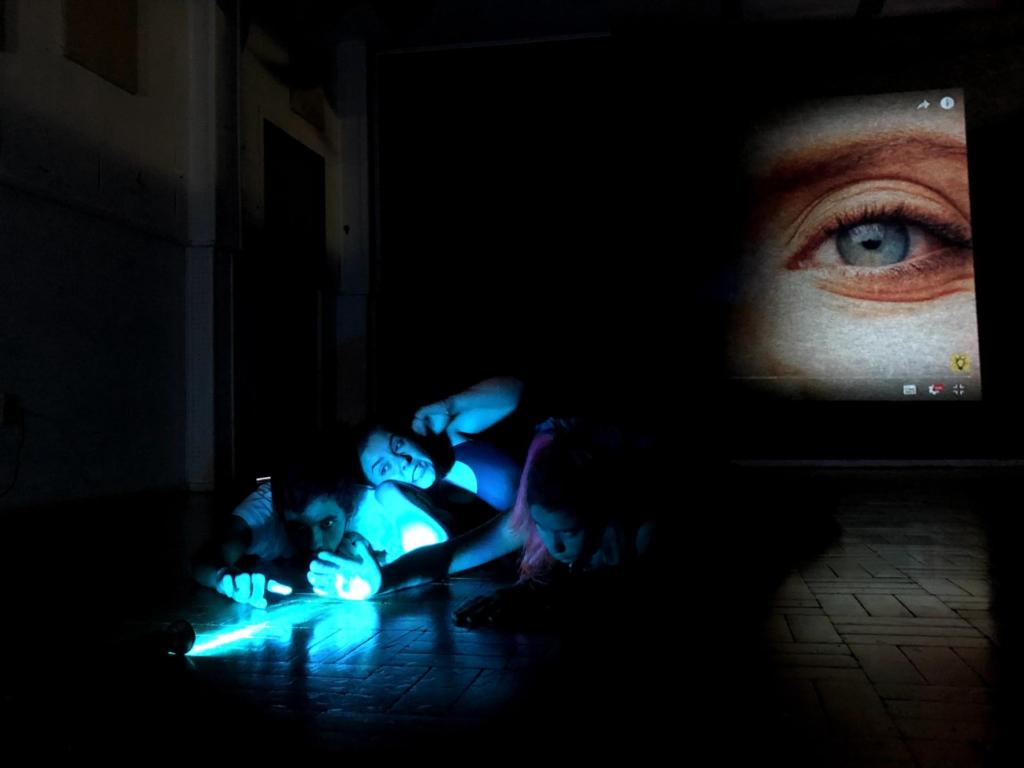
(785, 638)
(367, 676)
(884, 643)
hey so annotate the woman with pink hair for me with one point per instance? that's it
(579, 517)
(575, 505)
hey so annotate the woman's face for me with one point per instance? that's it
(565, 536)
(388, 456)
(859, 276)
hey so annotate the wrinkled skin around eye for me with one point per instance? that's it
(865, 272)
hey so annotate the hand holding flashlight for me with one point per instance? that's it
(351, 578)
(250, 588)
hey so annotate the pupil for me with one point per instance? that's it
(873, 243)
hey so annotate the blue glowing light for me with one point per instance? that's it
(416, 534)
(357, 579)
(352, 588)
(277, 625)
(395, 526)
(334, 624)
(278, 588)
(342, 625)
(226, 638)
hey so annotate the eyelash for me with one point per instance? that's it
(952, 234)
(877, 283)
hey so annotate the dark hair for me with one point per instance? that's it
(565, 476)
(576, 467)
(324, 464)
(328, 464)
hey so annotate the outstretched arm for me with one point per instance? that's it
(216, 564)
(567, 596)
(488, 542)
(223, 552)
(470, 412)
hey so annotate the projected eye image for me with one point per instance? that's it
(857, 281)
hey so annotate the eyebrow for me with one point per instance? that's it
(838, 158)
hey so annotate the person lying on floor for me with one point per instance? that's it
(443, 449)
(363, 492)
(573, 522)
(442, 465)
(588, 532)
(278, 527)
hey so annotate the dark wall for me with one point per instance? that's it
(571, 212)
(91, 341)
(277, 299)
(503, 229)
(95, 187)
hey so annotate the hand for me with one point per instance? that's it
(432, 419)
(355, 576)
(244, 588)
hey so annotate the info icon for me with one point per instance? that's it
(947, 102)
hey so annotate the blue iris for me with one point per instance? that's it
(873, 244)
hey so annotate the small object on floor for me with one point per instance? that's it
(179, 637)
